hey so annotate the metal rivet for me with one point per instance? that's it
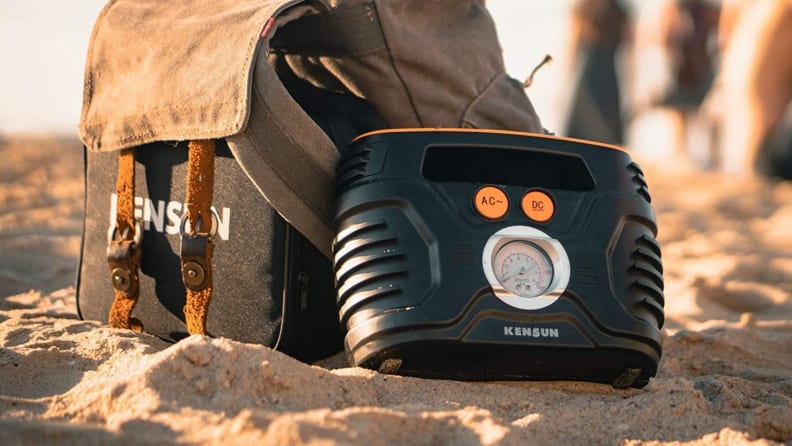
(193, 274)
(122, 280)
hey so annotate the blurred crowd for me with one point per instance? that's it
(726, 74)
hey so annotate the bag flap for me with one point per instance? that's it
(174, 70)
(419, 63)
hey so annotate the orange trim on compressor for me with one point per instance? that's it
(490, 131)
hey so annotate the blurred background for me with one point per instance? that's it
(43, 44)
(700, 82)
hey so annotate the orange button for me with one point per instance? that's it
(538, 206)
(491, 202)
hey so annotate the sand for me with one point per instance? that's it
(725, 377)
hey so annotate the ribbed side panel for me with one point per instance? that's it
(351, 168)
(369, 265)
(647, 274)
(642, 187)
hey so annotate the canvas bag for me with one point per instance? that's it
(232, 73)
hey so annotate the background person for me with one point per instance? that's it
(600, 30)
(754, 85)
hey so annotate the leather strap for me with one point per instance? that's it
(125, 191)
(123, 250)
(198, 229)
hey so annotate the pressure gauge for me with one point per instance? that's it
(523, 269)
(526, 268)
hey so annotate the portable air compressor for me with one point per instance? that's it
(492, 255)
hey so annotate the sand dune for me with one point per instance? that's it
(725, 377)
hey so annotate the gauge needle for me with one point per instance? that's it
(516, 273)
(521, 272)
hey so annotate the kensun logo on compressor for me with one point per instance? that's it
(162, 216)
(530, 332)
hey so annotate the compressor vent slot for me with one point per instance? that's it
(352, 168)
(640, 181)
(369, 264)
(648, 256)
(651, 244)
(647, 272)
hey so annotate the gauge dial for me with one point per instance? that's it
(526, 268)
(523, 269)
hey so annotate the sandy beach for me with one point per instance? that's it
(725, 377)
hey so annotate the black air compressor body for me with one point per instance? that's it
(488, 255)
